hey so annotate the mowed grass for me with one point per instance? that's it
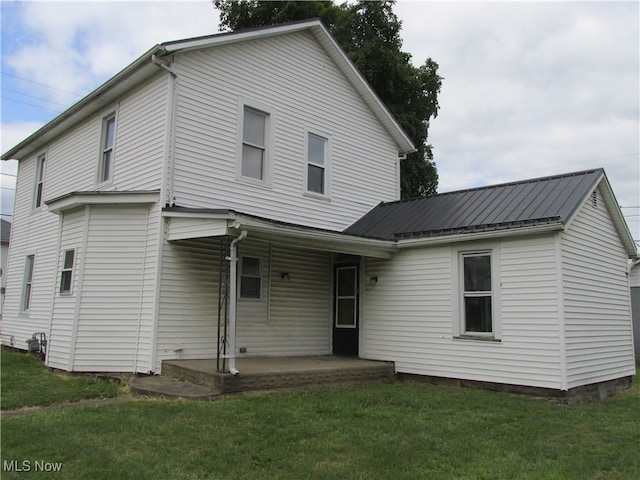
(396, 431)
(26, 382)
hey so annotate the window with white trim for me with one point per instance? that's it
(66, 276)
(317, 162)
(40, 170)
(250, 277)
(105, 173)
(477, 294)
(253, 162)
(28, 282)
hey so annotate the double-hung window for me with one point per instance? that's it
(28, 282)
(105, 173)
(317, 163)
(254, 144)
(66, 277)
(40, 169)
(250, 277)
(477, 294)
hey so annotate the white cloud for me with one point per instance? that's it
(532, 89)
(78, 45)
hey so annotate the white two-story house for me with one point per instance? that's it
(209, 201)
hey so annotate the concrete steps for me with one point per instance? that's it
(165, 387)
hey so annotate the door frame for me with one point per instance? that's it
(347, 341)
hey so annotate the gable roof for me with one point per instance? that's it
(544, 201)
(145, 67)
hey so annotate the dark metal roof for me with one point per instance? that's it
(510, 205)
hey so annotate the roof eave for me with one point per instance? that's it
(483, 235)
(134, 73)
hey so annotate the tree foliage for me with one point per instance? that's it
(369, 32)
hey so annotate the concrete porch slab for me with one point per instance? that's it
(265, 373)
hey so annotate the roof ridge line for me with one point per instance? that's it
(497, 185)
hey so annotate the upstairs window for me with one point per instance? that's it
(40, 169)
(107, 151)
(66, 276)
(317, 147)
(254, 145)
(477, 294)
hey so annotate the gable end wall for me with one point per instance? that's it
(596, 299)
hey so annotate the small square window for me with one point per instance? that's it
(66, 276)
(250, 278)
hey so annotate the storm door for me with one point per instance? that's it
(345, 324)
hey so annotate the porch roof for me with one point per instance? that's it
(187, 223)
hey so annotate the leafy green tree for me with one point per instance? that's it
(369, 32)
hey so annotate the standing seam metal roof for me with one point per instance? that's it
(510, 205)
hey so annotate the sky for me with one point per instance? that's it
(530, 89)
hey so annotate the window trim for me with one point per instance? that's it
(67, 270)
(101, 180)
(270, 120)
(27, 283)
(326, 195)
(260, 277)
(458, 293)
(41, 166)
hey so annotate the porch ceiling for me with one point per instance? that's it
(184, 223)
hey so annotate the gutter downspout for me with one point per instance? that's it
(233, 258)
(172, 129)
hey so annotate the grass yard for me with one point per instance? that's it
(26, 382)
(397, 431)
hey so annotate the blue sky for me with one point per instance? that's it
(530, 89)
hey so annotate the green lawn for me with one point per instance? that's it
(26, 382)
(397, 431)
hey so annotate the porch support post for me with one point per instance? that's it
(233, 261)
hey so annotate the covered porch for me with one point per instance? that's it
(258, 288)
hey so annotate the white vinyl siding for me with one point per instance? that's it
(141, 145)
(598, 328)
(33, 232)
(72, 233)
(279, 72)
(299, 318)
(408, 315)
(115, 305)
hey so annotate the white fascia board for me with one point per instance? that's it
(234, 37)
(489, 234)
(122, 82)
(315, 239)
(283, 234)
(81, 199)
(618, 217)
